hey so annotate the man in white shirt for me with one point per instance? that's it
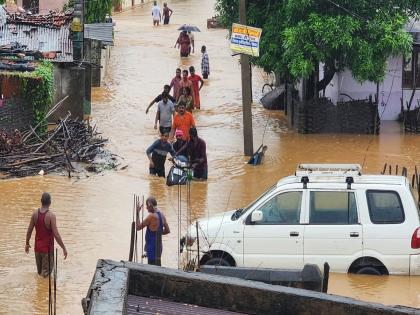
(157, 16)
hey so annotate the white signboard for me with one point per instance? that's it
(245, 40)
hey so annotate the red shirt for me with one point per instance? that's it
(44, 237)
(195, 79)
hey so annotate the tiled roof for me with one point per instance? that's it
(52, 19)
(44, 33)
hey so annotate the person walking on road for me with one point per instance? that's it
(157, 99)
(195, 79)
(205, 65)
(157, 16)
(164, 114)
(167, 13)
(156, 226)
(184, 44)
(186, 83)
(186, 99)
(196, 149)
(157, 153)
(180, 145)
(45, 224)
(183, 120)
(176, 84)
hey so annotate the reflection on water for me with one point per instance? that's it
(94, 213)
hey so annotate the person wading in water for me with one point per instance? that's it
(46, 230)
(156, 227)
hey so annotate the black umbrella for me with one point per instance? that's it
(189, 28)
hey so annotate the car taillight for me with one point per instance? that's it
(415, 239)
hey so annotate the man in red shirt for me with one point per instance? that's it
(196, 79)
(45, 225)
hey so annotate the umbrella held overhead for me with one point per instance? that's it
(189, 28)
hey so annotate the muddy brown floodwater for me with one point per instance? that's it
(94, 213)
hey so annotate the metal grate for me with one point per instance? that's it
(138, 305)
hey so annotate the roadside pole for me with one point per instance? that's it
(246, 91)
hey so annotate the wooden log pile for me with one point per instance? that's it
(71, 141)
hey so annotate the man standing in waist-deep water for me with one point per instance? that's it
(157, 226)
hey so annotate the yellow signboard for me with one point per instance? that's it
(245, 40)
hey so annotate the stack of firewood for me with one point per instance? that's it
(57, 150)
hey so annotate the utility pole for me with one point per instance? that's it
(246, 91)
(77, 29)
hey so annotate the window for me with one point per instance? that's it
(385, 207)
(411, 71)
(333, 207)
(282, 209)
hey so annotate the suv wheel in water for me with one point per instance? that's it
(368, 270)
(217, 261)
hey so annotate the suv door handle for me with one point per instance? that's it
(354, 234)
(294, 233)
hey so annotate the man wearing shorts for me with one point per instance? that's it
(46, 230)
(157, 16)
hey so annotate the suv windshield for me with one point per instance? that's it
(238, 213)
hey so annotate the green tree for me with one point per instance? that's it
(95, 10)
(298, 35)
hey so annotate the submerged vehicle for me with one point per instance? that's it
(366, 224)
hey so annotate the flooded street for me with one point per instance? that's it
(94, 213)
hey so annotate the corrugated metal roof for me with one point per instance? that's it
(43, 33)
(39, 38)
(100, 31)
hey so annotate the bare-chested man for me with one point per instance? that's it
(156, 227)
(46, 230)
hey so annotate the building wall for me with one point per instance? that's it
(15, 114)
(390, 90)
(69, 80)
(48, 5)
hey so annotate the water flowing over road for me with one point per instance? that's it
(94, 213)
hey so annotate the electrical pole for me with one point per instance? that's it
(246, 91)
(77, 29)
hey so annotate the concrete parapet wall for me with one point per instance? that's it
(225, 293)
(310, 278)
(108, 291)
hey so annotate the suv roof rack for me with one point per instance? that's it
(329, 169)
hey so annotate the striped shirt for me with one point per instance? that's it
(205, 66)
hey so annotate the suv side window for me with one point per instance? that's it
(333, 207)
(282, 209)
(385, 207)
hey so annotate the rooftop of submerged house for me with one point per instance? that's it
(36, 35)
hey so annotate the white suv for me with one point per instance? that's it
(324, 213)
